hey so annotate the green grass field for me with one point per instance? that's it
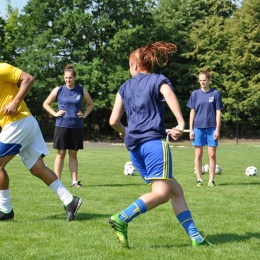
(228, 213)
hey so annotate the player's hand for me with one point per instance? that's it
(175, 133)
(60, 113)
(80, 114)
(122, 135)
(191, 135)
(10, 109)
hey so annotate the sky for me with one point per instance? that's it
(18, 4)
(14, 3)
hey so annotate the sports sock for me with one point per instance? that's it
(65, 196)
(187, 222)
(134, 210)
(5, 201)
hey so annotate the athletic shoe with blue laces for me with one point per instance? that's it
(120, 228)
(204, 242)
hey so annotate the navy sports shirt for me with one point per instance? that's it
(205, 105)
(69, 100)
(144, 106)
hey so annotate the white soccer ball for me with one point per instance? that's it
(206, 168)
(129, 168)
(202, 170)
(251, 171)
(45, 164)
(218, 170)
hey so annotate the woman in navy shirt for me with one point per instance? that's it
(205, 118)
(69, 122)
(142, 98)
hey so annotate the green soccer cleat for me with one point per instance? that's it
(204, 242)
(199, 183)
(211, 184)
(120, 228)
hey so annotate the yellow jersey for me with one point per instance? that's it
(9, 77)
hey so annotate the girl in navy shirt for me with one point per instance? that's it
(142, 98)
(205, 116)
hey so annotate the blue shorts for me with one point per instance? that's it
(153, 160)
(204, 136)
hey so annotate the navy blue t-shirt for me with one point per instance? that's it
(144, 106)
(205, 105)
(70, 100)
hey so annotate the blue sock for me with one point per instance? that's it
(187, 222)
(134, 210)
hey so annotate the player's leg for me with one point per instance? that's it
(212, 163)
(71, 203)
(199, 142)
(151, 161)
(59, 162)
(73, 166)
(75, 144)
(33, 147)
(61, 140)
(212, 150)
(198, 164)
(184, 216)
(6, 209)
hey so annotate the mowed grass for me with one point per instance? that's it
(227, 214)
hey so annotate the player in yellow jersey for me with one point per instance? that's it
(21, 135)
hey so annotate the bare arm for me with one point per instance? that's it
(192, 116)
(90, 103)
(116, 115)
(26, 82)
(49, 100)
(218, 122)
(174, 105)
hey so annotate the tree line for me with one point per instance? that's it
(98, 36)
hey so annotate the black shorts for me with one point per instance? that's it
(68, 138)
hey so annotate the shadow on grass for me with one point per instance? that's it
(238, 184)
(229, 238)
(117, 185)
(81, 216)
(219, 239)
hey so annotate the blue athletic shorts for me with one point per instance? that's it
(204, 136)
(153, 160)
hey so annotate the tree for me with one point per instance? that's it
(95, 36)
(243, 75)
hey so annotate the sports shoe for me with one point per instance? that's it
(199, 183)
(6, 216)
(120, 228)
(204, 242)
(211, 184)
(72, 208)
(77, 185)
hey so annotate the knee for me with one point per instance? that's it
(177, 191)
(61, 154)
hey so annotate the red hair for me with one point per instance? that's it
(157, 53)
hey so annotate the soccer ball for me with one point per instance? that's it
(251, 171)
(206, 168)
(218, 170)
(202, 170)
(45, 164)
(129, 168)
